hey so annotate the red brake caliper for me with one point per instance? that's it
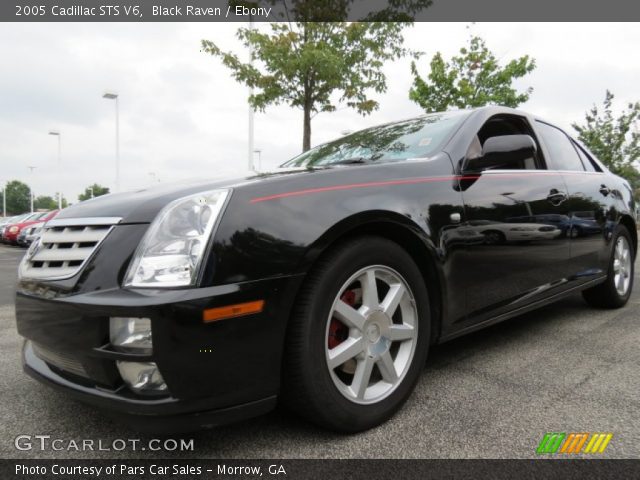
(338, 331)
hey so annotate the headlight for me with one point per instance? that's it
(13, 229)
(171, 252)
(130, 334)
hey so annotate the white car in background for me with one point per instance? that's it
(499, 232)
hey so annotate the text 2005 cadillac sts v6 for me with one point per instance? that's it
(323, 285)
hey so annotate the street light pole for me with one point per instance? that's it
(516, 201)
(32, 168)
(259, 152)
(59, 135)
(114, 96)
(4, 199)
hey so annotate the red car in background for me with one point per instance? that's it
(12, 231)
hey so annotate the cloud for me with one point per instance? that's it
(183, 116)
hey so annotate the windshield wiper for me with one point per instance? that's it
(356, 160)
(349, 161)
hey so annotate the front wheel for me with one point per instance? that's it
(359, 336)
(615, 291)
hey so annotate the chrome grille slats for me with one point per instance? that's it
(62, 254)
(40, 273)
(73, 235)
(64, 247)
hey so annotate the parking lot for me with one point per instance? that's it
(492, 394)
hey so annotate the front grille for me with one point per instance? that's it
(64, 247)
(61, 360)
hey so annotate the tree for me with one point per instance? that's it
(472, 79)
(46, 202)
(98, 190)
(18, 197)
(614, 140)
(315, 66)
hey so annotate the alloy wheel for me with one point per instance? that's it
(622, 266)
(371, 334)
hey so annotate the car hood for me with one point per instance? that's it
(21, 225)
(141, 206)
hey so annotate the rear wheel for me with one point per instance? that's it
(616, 290)
(359, 336)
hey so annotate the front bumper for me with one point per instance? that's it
(11, 238)
(146, 416)
(216, 372)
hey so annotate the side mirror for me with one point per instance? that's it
(503, 151)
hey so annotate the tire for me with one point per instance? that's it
(494, 237)
(574, 232)
(615, 291)
(336, 288)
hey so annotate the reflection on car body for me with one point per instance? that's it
(575, 224)
(500, 232)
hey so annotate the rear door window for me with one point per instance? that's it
(587, 161)
(563, 154)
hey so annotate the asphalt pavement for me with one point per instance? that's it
(491, 394)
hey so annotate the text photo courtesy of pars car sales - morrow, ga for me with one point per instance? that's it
(319, 238)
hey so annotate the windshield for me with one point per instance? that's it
(415, 138)
(19, 218)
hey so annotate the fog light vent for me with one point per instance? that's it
(61, 360)
(142, 377)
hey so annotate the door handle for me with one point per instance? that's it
(556, 197)
(604, 190)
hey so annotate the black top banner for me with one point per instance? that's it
(317, 10)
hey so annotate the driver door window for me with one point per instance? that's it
(505, 125)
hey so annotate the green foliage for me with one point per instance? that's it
(98, 190)
(18, 197)
(46, 202)
(315, 66)
(473, 78)
(614, 140)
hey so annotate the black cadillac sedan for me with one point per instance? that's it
(323, 285)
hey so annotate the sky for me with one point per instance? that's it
(183, 116)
